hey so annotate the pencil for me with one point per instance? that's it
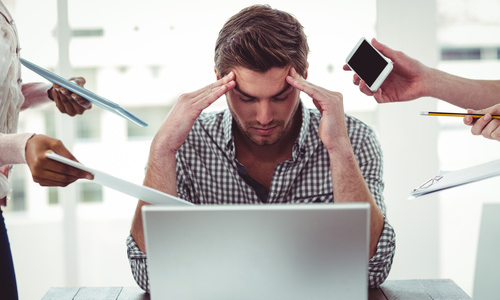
(447, 114)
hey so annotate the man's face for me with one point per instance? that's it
(263, 104)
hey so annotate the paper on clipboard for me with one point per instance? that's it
(446, 180)
(141, 192)
(90, 96)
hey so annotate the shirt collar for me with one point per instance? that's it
(227, 121)
(298, 147)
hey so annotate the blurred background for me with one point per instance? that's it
(144, 54)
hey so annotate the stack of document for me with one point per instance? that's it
(446, 180)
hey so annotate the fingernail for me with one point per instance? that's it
(89, 177)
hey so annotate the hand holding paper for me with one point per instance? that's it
(144, 193)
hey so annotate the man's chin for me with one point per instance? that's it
(263, 141)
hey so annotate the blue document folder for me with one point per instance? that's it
(90, 96)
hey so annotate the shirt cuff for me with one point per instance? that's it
(133, 250)
(13, 148)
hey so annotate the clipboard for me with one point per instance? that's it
(90, 96)
(141, 192)
(447, 180)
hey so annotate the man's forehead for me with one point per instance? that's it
(248, 81)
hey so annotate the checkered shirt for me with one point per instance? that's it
(208, 173)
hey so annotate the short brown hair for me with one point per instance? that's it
(260, 38)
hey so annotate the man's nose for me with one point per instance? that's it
(264, 112)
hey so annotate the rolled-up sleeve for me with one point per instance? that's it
(370, 159)
(380, 264)
(138, 264)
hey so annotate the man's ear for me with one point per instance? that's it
(307, 69)
(216, 73)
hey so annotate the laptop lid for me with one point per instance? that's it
(487, 276)
(303, 251)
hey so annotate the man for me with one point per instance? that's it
(410, 79)
(266, 147)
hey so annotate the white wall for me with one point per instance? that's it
(410, 143)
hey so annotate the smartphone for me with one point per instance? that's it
(369, 64)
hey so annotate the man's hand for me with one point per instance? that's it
(48, 172)
(486, 125)
(405, 82)
(161, 170)
(179, 121)
(67, 102)
(330, 104)
(348, 183)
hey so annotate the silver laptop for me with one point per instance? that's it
(487, 276)
(306, 251)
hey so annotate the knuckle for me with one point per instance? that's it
(208, 90)
(57, 143)
(184, 97)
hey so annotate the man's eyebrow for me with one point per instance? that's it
(250, 96)
(287, 86)
(236, 87)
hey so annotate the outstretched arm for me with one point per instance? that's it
(69, 103)
(411, 79)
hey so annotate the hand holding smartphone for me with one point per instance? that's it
(369, 64)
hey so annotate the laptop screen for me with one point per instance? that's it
(306, 251)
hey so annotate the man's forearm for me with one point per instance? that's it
(350, 186)
(160, 175)
(463, 92)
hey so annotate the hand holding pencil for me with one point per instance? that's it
(488, 125)
(449, 114)
(485, 122)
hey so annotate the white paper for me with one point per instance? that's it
(141, 192)
(446, 180)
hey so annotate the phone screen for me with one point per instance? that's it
(367, 63)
